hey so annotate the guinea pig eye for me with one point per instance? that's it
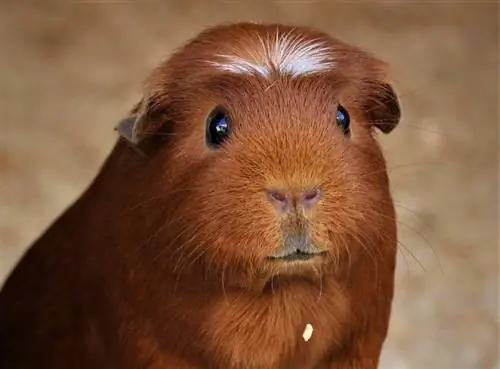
(343, 119)
(218, 127)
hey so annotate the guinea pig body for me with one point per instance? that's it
(243, 220)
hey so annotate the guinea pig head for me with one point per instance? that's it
(266, 135)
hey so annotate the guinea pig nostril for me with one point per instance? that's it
(278, 199)
(311, 196)
(277, 196)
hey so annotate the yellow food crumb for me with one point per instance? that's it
(308, 331)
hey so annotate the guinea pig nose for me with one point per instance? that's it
(282, 201)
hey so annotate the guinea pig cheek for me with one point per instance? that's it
(239, 228)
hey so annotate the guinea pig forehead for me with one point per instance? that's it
(224, 84)
(253, 94)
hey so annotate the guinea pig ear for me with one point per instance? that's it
(383, 110)
(141, 121)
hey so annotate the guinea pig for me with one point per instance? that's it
(243, 220)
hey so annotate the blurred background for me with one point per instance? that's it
(69, 70)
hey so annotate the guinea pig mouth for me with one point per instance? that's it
(297, 255)
(296, 248)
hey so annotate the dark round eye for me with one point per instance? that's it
(218, 127)
(343, 119)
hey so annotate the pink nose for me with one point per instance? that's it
(283, 201)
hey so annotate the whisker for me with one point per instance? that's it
(408, 165)
(407, 125)
(223, 277)
(319, 275)
(423, 238)
(142, 203)
(404, 247)
(160, 134)
(408, 273)
(183, 258)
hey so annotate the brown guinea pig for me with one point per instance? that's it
(242, 221)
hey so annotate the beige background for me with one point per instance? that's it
(70, 70)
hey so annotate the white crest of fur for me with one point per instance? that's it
(288, 54)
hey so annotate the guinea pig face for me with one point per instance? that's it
(272, 146)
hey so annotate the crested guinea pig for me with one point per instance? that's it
(243, 220)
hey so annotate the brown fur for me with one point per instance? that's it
(162, 261)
